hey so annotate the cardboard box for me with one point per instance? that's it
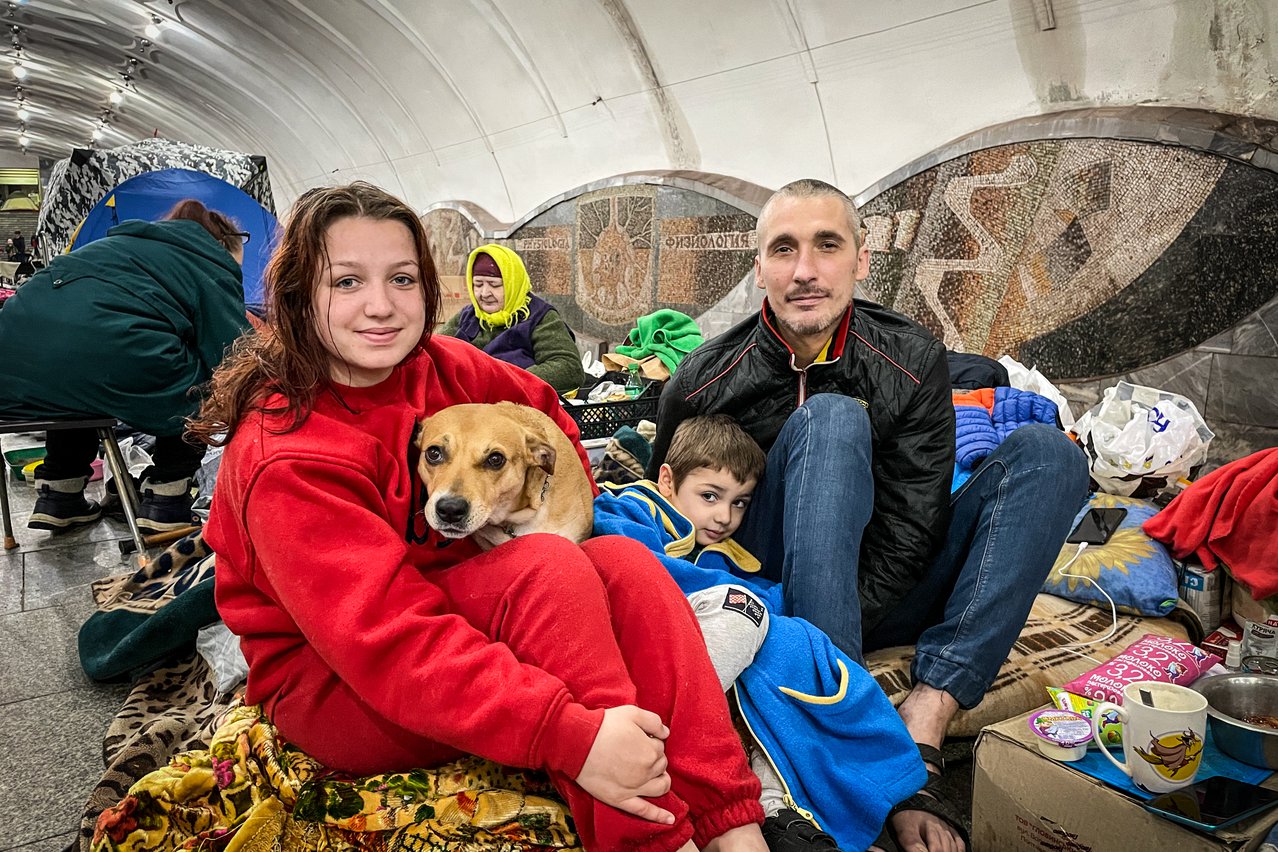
(1023, 800)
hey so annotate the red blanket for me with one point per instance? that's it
(1229, 516)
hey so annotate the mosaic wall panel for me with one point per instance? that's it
(607, 257)
(1086, 257)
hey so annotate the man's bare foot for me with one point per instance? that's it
(920, 831)
(926, 712)
(743, 838)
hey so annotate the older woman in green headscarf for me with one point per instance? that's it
(508, 322)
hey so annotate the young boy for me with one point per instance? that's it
(709, 478)
(832, 754)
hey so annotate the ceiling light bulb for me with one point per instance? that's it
(117, 96)
(152, 30)
(23, 139)
(23, 113)
(97, 133)
(19, 70)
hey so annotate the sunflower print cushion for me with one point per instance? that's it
(1136, 571)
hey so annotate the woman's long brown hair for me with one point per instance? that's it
(288, 357)
(219, 225)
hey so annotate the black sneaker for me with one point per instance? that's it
(790, 831)
(60, 504)
(165, 505)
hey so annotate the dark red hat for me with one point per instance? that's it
(485, 266)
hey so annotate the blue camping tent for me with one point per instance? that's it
(152, 194)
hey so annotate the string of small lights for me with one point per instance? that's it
(120, 89)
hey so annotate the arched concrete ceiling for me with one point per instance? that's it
(506, 103)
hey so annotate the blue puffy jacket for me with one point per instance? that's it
(978, 431)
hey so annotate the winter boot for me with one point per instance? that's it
(165, 505)
(60, 504)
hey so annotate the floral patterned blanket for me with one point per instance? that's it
(247, 791)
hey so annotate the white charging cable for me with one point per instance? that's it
(1113, 609)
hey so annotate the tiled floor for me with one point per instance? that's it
(52, 717)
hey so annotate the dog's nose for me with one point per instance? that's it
(452, 510)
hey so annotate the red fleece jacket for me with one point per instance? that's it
(313, 560)
(1229, 516)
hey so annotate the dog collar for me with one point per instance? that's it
(509, 529)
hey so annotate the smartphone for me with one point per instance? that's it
(1097, 526)
(1213, 802)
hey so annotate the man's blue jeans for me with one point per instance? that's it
(1007, 526)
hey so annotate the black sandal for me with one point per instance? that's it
(929, 800)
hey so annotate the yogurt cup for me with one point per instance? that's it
(1061, 734)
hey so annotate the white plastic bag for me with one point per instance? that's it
(220, 648)
(592, 367)
(136, 460)
(1032, 380)
(1139, 434)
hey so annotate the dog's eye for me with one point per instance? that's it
(495, 461)
(434, 455)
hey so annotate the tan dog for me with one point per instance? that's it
(495, 472)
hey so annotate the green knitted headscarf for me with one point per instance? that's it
(514, 278)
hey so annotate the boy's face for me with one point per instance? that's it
(714, 501)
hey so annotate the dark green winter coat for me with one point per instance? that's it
(124, 327)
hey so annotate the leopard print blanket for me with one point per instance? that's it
(169, 711)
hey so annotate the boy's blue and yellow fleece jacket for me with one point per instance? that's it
(833, 736)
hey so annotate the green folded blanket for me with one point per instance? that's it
(670, 335)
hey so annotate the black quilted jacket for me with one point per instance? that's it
(898, 370)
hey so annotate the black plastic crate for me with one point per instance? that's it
(602, 419)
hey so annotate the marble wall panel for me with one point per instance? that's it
(1235, 441)
(1242, 390)
(1258, 333)
(1188, 375)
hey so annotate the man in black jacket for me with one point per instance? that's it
(854, 515)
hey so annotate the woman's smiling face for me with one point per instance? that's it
(370, 310)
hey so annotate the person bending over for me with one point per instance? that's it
(508, 322)
(854, 514)
(127, 327)
(376, 644)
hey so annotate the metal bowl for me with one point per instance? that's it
(1233, 696)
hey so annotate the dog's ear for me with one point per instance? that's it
(543, 455)
(418, 431)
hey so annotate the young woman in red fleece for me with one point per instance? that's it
(377, 645)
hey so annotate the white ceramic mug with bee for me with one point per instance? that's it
(1163, 729)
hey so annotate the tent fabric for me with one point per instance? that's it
(79, 182)
(152, 194)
